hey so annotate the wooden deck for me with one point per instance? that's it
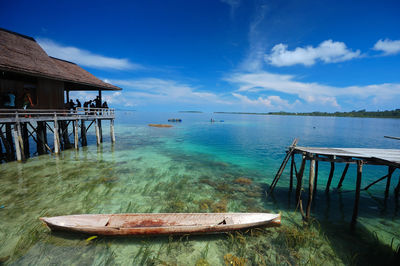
(17, 126)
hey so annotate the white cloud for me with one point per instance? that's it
(272, 101)
(312, 93)
(153, 91)
(388, 47)
(85, 58)
(328, 51)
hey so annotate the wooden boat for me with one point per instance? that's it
(160, 223)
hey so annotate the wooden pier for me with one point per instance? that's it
(17, 127)
(359, 156)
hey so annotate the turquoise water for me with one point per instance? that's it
(197, 166)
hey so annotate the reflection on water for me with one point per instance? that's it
(197, 166)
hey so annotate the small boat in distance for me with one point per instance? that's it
(160, 223)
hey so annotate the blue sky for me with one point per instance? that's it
(225, 55)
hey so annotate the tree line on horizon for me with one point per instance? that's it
(360, 113)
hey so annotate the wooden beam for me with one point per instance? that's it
(76, 137)
(299, 178)
(112, 134)
(357, 196)
(310, 187)
(291, 173)
(17, 145)
(56, 136)
(343, 175)
(97, 132)
(83, 133)
(328, 184)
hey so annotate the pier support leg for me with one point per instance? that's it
(20, 141)
(9, 138)
(7, 147)
(25, 139)
(316, 176)
(100, 130)
(343, 175)
(18, 154)
(328, 184)
(291, 173)
(357, 196)
(112, 133)
(41, 136)
(65, 137)
(76, 137)
(390, 172)
(97, 131)
(56, 137)
(299, 178)
(83, 133)
(310, 187)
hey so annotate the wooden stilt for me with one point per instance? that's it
(310, 187)
(83, 133)
(390, 172)
(299, 178)
(100, 130)
(112, 134)
(18, 154)
(7, 147)
(41, 137)
(25, 139)
(343, 175)
(9, 137)
(20, 141)
(97, 131)
(328, 184)
(76, 136)
(56, 136)
(316, 175)
(357, 196)
(282, 167)
(291, 173)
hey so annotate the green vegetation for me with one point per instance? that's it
(360, 113)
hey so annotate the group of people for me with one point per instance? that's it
(10, 100)
(96, 103)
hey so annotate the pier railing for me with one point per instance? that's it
(11, 115)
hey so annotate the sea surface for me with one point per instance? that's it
(199, 166)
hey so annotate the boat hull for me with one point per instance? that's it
(160, 223)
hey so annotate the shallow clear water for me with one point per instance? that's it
(195, 166)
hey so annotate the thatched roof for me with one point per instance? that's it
(22, 54)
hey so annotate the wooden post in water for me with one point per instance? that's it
(357, 196)
(97, 131)
(316, 175)
(7, 146)
(299, 178)
(40, 133)
(343, 175)
(56, 136)
(310, 187)
(16, 143)
(25, 139)
(20, 141)
(291, 173)
(83, 133)
(100, 130)
(76, 136)
(328, 184)
(112, 134)
(397, 189)
(390, 172)
(9, 137)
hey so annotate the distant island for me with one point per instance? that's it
(360, 113)
(196, 112)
